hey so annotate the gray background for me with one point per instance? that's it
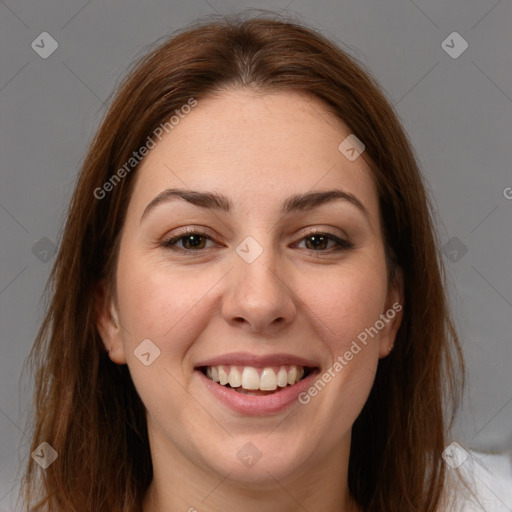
(457, 111)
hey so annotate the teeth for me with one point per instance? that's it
(250, 378)
(292, 375)
(223, 376)
(247, 377)
(268, 380)
(235, 378)
(282, 378)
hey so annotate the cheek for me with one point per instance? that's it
(166, 307)
(162, 304)
(349, 304)
(346, 308)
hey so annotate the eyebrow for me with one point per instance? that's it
(216, 201)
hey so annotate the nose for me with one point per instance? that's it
(259, 297)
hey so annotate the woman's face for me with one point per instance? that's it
(267, 277)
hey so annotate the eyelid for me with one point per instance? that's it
(191, 229)
(321, 230)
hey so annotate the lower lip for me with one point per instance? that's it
(251, 405)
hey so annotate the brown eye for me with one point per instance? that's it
(190, 242)
(319, 242)
(193, 241)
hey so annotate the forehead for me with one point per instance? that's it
(256, 148)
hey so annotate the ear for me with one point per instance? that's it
(392, 314)
(107, 323)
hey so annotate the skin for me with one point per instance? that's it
(257, 149)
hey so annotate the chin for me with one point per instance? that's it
(260, 462)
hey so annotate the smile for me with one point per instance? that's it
(257, 385)
(253, 381)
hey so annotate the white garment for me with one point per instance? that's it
(489, 477)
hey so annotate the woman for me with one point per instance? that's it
(247, 309)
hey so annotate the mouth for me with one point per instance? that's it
(257, 385)
(253, 381)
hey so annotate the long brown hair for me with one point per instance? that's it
(87, 408)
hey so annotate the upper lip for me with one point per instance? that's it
(246, 359)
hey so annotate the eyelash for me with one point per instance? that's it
(170, 243)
